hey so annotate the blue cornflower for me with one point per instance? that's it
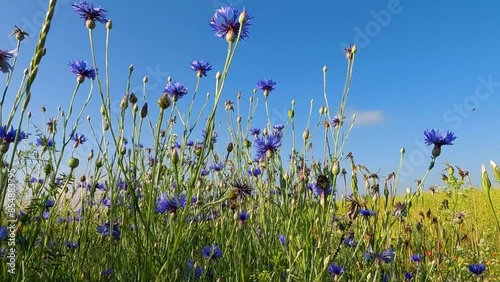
(89, 12)
(201, 67)
(122, 184)
(106, 202)
(175, 146)
(5, 55)
(217, 166)
(171, 204)
(3, 232)
(49, 203)
(266, 85)
(46, 214)
(189, 143)
(197, 271)
(335, 269)
(318, 191)
(336, 121)
(106, 272)
(278, 127)
(417, 258)
(366, 212)
(254, 172)
(78, 138)
(477, 269)
(255, 132)
(45, 142)
(80, 69)
(175, 90)
(204, 172)
(105, 230)
(243, 216)
(350, 241)
(386, 256)
(408, 275)
(70, 245)
(214, 136)
(225, 23)
(7, 137)
(438, 139)
(283, 240)
(268, 145)
(211, 252)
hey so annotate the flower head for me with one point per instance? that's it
(79, 68)
(211, 252)
(417, 258)
(78, 138)
(336, 121)
(3, 232)
(266, 85)
(283, 240)
(239, 190)
(477, 269)
(255, 132)
(268, 145)
(201, 67)
(175, 90)
(438, 139)
(171, 204)
(9, 136)
(90, 12)
(335, 269)
(106, 228)
(5, 55)
(243, 216)
(225, 23)
(366, 213)
(45, 142)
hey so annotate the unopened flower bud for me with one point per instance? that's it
(26, 71)
(321, 110)
(305, 135)
(169, 79)
(175, 157)
(496, 170)
(402, 151)
(91, 154)
(133, 98)
(243, 17)
(131, 68)
(238, 119)
(103, 110)
(145, 79)
(230, 147)
(124, 102)
(247, 143)
(135, 108)
(88, 118)
(43, 109)
(354, 49)
(144, 110)
(291, 113)
(485, 180)
(325, 68)
(217, 75)
(109, 24)
(336, 168)
(29, 115)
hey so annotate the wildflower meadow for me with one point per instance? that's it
(161, 196)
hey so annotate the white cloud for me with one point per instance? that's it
(368, 117)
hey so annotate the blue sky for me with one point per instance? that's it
(420, 65)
